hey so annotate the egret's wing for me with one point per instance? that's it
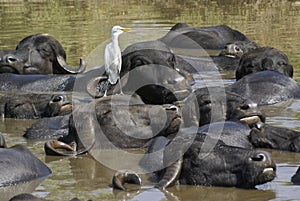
(112, 62)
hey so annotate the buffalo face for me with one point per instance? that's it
(261, 59)
(226, 166)
(30, 106)
(217, 105)
(238, 49)
(38, 54)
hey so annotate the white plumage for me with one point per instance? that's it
(112, 56)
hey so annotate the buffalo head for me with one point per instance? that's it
(261, 59)
(38, 54)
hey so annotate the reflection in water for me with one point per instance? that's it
(83, 28)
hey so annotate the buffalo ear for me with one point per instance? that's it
(66, 69)
(93, 85)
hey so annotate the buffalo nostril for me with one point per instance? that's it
(237, 48)
(57, 99)
(245, 107)
(259, 157)
(172, 108)
(11, 59)
(248, 104)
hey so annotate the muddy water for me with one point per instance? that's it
(83, 28)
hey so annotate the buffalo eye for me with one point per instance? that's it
(45, 51)
(245, 107)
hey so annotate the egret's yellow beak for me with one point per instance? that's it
(126, 29)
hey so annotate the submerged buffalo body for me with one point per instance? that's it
(229, 43)
(38, 54)
(116, 121)
(266, 87)
(18, 164)
(216, 37)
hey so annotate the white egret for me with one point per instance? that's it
(113, 58)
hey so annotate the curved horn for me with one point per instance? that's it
(51, 148)
(93, 89)
(122, 177)
(171, 175)
(68, 69)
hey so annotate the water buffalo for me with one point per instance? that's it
(38, 54)
(237, 109)
(267, 136)
(261, 59)
(217, 104)
(194, 45)
(18, 164)
(101, 124)
(202, 159)
(266, 87)
(238, 49)
(24, 105)
(211, 38)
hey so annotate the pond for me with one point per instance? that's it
(84, 28)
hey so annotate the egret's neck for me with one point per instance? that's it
(115, 39)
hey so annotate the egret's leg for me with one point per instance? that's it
(120, 85)
(105, 93)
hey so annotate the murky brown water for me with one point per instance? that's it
(83, 28)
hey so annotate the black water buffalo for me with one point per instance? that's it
(196, 158)
(216, 104)
(117, 121)
(261, 59)
(238, 49)
(266, 87)
(18, 164)
(193, 45)
(38, 54)
(22, 105)
(267, 136)
(215, 37)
